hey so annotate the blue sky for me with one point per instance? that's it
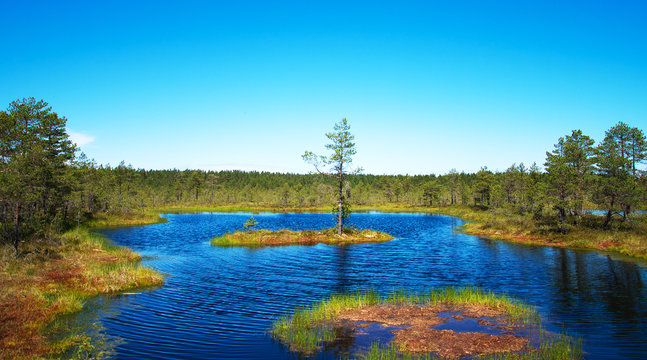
(426, 86)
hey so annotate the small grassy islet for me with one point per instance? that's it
(311, 328)
(258, 238)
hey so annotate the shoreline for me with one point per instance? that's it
(44, 285)
(623, 241)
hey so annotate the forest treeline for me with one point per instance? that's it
(46, 185)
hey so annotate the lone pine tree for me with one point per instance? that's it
(338, 163)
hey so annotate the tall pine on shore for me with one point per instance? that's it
(35, 151)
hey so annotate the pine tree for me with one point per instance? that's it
(343, 148)
(35, 154)
(617, 156)
(569, 168)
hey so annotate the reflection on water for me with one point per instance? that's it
(219, 302)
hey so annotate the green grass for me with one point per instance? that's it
(308, 328)
(257, 238)
(389, 352)
(555, 347)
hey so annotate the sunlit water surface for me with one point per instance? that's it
(219, 302)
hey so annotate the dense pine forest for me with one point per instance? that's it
(47, 185)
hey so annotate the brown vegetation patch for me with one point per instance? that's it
(451, 345)
(20, 318)
(523, 238)
(418, 337)
(396, 315)
(39, 286)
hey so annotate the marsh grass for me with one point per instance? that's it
(54, 279)
(257, 238)
(308, 328)
(106, 220)
(389, 352)
(552, 347)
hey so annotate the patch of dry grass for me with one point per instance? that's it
(56, 279)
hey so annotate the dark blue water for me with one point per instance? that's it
(219, 302)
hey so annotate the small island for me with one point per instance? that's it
(259, 238)
(426, 325)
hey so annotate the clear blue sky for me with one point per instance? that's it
(426, 86)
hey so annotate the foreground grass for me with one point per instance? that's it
(305, 237)
(557, 348)
(310, 328)
(55, 280)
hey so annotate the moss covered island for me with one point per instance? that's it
(305, 237)
(503, 326)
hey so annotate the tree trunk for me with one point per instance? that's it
(16, 230)
(340, 204)
(607, 220)
(626, 212)
(562, 220)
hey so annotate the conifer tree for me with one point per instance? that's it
(622, 149)
(343, 148)
(569, 168)
(35, 153)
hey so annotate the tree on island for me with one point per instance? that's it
(343, 148)
(250, 223)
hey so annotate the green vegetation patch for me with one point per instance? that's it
(412, 317)
(304, 237)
